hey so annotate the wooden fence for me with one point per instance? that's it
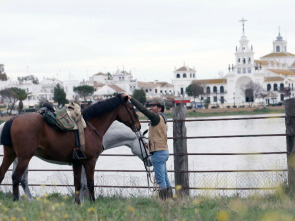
(181, 171)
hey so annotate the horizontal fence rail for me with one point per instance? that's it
(224, 119)
(170, 171)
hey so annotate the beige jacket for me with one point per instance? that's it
(158, 136)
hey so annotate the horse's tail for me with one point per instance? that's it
(5, 134)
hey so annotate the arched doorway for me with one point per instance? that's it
(249, 95)
(242, 93)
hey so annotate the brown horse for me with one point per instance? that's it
(31, 135)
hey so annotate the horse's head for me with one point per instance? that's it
(127, 115)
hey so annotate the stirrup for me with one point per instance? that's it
(78, 155)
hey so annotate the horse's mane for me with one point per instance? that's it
(102, 107)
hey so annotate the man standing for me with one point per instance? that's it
(158, 146)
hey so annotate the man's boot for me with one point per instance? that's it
(163, 194)
(169, 193)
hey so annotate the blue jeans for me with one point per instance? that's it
(159, 159)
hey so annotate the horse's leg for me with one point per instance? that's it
(77, 167)
(9, 156)
(83, 185)
(89, 169)
(24, 181)
(17, 175)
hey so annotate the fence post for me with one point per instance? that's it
(290, 130)
(180, 148)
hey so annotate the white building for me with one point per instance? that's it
(183, 77)
(274, 72)
(156, 88)
(124, 80)
(107, 91)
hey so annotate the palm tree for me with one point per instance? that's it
(21, 95)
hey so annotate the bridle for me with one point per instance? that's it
(133, 125)
(143, 150)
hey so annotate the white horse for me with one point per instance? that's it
(117, 135)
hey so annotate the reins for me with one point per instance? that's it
(142, 148)
(144, 159)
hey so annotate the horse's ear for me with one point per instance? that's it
(125, 99)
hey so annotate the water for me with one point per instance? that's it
(197, 180)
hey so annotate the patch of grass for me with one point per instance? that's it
(57, 207)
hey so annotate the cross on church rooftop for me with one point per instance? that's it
(243, 21)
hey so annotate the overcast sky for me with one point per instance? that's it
(76, 39)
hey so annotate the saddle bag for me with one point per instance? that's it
(63, 120)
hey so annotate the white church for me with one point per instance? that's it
(274, 72)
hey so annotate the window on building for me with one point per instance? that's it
(161, 91)
(190, 75)
(275, 87)
(214, 89)
(221, 89)
(215, 99)
(249, 70)
(178, 76)
(181, 90)
(239, 60)
(244, 70)
(278, 49)
(222, 99)
(281, 86)
(268, 87)
(244, 60)
(193, 75)
(146, 90)
(156, 91)
(208, 90)
(184, 75)
(249, 60)
(239, 70)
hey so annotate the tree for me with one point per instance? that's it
(252, 91)
(21, 95)
(59, 95)
(3, 77)
(194, 90)
(34, 79)
(286, 91)
(11, 95)
(139, 94)
(207, 102)
(110, 76)
(84, 91)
